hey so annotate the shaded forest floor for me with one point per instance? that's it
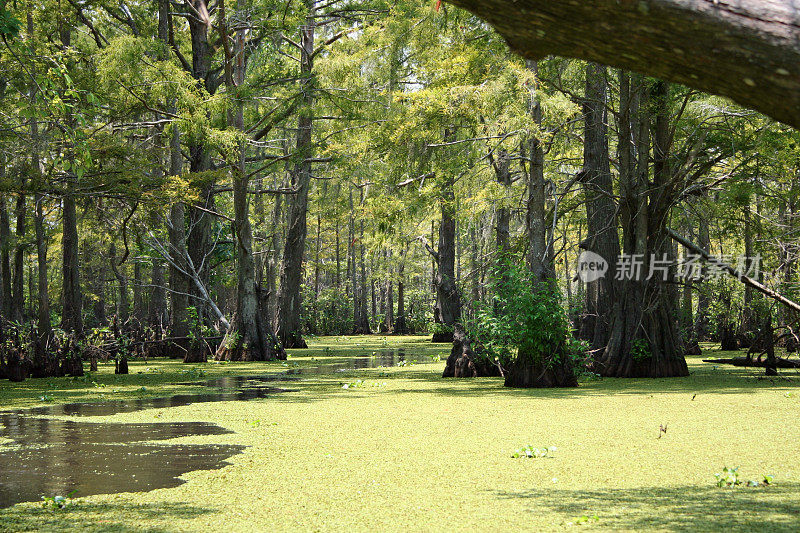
(403, 449)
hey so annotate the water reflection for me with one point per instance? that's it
(129, 406)
(49, 457)
(55, 457)
(379, 358)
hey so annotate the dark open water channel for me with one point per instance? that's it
(50, 457)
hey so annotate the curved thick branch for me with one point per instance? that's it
(747, 50)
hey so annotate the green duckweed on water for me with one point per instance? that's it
(403, 449)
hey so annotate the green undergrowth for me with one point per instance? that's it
(405, 449)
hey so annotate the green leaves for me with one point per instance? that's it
(57, 503)
(9, 25)
(729, 477)
(531, 452)
(525, 315)
(640, 350)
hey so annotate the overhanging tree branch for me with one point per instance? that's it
(748, 51)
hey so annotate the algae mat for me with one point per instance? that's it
(400, 448)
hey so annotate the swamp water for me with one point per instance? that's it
(48, 457)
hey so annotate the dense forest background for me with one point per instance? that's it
(237, 176)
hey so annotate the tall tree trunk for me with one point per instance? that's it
(448, 307)
(539, 258)
(788, 264)
(360, 324)
(138, 297)
(502, 169)
(18, 289)
(338, 258)
(98, 285)
(178, 283)
(262, 254)
(687, 312)
(123, 304)
(529, 369)
(158, 317)
(248, 338)
(388, 322)
(601, 238)
(317, 247)
(374, 299)
(400, 325)
(71, 318)
(749, 324)
(5, 256)
(475, 266)
(199, 237)
(45, 363)
(703, 316)
(351, 259)
(43, 360)
(289, 328)
(71, 297)
(271, 305)
(363, 325)
(31, 307)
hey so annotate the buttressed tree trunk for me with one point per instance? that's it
(463, 362)
(644, 338)
(746, 50)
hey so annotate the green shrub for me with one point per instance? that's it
(330, 314)
(640, 350)
(437, 328)
(525, 318)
